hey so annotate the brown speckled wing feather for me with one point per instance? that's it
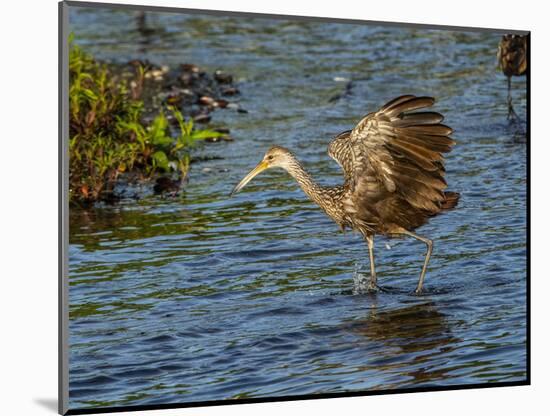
(339, 149)
(398, 152)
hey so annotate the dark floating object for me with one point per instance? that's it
(393, 174)
(347, 92)
(167, 185)
(222, 77)
(512, 60)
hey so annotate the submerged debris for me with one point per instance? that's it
(167, 185)
(347, 91)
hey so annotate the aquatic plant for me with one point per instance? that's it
(108, 135)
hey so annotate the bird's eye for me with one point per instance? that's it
(270, 157)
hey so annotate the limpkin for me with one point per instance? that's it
(512, 60)
(393, 174)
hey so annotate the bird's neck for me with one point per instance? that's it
(311, 188)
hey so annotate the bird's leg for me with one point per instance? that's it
(511, 113)
(429, 244)
(372, 281)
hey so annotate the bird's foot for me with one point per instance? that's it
(512, 115)
(418, 291)
(363, 284)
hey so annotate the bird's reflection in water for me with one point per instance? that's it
(411, 337)
(518, 132)
(146, 31)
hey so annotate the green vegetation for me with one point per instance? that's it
(108, 134)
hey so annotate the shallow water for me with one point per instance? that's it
(203, 297)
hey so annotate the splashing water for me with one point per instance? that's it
(360, 280)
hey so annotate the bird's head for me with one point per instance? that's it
(275, 157)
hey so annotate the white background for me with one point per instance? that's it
(28, 205)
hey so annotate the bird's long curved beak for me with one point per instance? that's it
(260, 168)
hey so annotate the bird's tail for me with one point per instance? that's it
(451, 200)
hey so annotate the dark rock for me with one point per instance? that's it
(202, 118)
(186, 79)
(222, 77)
(205, 100)
(174, 99)
(180, 97)
(230, 91)
(190, 68)
(143, 63)
(222, 103)
(165, 184)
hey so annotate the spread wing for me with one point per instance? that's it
(396, 151)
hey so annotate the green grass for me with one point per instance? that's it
(108, 135)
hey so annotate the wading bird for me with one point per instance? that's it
(512, 60)
(393, 174)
